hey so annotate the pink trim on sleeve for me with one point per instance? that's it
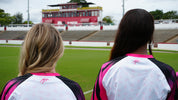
(46, 74)
(177, 78)
(101, 88)
(103, 91)
(10, 91)
(139, 55)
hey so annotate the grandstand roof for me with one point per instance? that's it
(73, 3)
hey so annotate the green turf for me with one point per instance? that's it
(168, 58)
(81, 66)
(10, 44)
(8, 64)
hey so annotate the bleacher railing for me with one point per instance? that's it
(24, 27)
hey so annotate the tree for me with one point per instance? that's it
(170, 15)
(18, 18)
(108, 20)
(157, 14)
(1, 10)
(5, 18)
(25, 22)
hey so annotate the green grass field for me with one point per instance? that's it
(81, 66)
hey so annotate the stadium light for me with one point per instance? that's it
(28, 14)
(123, 7)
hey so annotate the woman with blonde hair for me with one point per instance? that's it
(38, 79)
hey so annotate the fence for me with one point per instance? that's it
(89, 27)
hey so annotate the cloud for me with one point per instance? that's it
(6, 1)
(160, 0)
(110, 7)
(36, 15)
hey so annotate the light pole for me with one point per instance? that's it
(28, 15)
(123, 7)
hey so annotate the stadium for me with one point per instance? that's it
(86, 51)
(165, 35)
(87, 47)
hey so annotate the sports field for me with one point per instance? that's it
(79, 65)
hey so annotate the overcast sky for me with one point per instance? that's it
(110, 7)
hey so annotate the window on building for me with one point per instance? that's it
(64, 7)
(55, 14)
(46, 15)
(89, 13)
(43, 15)
(93, 13)
(78, 13)
(67, 14)
(96, 13)
(83, 13)
(59, 14)
(63, 14)
(75, 6)
(86, 13)
(50, 15)
(75, 14)
(72, 14)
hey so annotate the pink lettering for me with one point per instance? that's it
(136, 61)
(43, 80)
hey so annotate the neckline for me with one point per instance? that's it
(46, 74)
(139, 55)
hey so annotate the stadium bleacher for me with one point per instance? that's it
(174, 39)
(102, 36)
(165, 35)
(1, 32)
(13, 35)
(161, 35)
(75, 35)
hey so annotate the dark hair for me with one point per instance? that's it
(135, 30)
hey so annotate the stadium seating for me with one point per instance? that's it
(75, 35)
(161, 35)
(174, 39)
(13, 35)
(165, 35)
(102, 36)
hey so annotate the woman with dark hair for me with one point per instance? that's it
(132, 74)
